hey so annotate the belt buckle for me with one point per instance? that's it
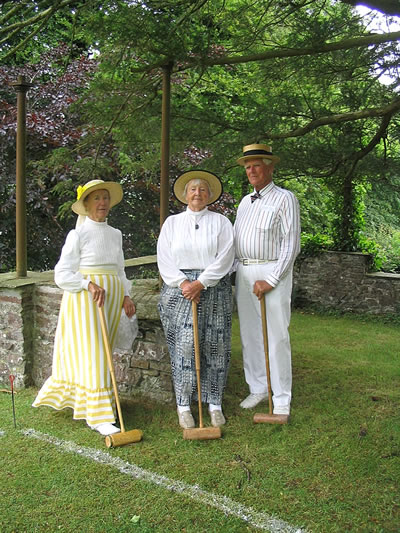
(246, 262)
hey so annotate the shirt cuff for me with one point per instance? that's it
(85, 284)
(272, 280)
(180, 281)
(204, 282)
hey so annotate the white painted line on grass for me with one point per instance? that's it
(222, 503)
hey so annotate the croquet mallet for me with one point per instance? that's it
(200, 433)
(270, 418)
(125, 437)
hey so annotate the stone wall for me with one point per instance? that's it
(146, 370)
(16, 335)
(47, 305)
(341, 281)
(29, 309)
(28, 319)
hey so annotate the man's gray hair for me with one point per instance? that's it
(266, 161)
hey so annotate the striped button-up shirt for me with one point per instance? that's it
(269, 228)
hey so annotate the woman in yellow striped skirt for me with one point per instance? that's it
(91, 273)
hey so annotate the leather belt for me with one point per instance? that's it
(256, 261)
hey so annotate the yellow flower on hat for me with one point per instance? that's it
(82, 188)
(79, 191)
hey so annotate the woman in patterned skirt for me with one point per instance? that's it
(91, 273)
(195, 254)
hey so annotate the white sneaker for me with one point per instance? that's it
(217, 418)
(105, 429)
(186, 420)
(252, 400)
(282, 410)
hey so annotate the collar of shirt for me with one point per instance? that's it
(266, 189)
(196, 213)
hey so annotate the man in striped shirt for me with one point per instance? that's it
(267, 241)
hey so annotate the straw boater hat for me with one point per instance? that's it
(213, 181)
(82, 192)
(257, 151)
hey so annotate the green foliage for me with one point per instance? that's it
(394, 265)
(105, 119)
(386, 248)
(382, 211)
(314, 244)
(369, 246)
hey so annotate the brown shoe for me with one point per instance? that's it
(217, 418)
(186, 420)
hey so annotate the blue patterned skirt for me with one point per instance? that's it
(215, 323)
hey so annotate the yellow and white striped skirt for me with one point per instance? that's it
(80, 377)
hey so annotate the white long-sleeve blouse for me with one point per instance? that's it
(195, 240)
(93, 246)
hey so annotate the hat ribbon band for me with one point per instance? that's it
(256, 152)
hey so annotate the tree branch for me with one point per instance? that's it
(118, 114)
(27, 39)
(40, 16)
(391, 109)
(356, 158)
(376, 138)
(346, 44)
(13, 11)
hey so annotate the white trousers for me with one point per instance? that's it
(277, 303)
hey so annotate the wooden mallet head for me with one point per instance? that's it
(207, 433)
(264, 418)
(123, 438)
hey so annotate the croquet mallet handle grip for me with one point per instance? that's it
(107, 347)
(197, 359)
(265, 336)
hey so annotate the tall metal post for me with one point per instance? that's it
(21, 250)
(165, 135)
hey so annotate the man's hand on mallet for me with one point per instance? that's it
(261, 287)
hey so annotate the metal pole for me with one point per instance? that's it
(165, 135)
(21, 250)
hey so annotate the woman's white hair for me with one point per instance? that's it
(197, 181)
(86, 199)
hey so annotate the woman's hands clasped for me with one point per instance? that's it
(191, 290)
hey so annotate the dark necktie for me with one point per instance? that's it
(255, 196)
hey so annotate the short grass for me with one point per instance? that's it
(334, 468)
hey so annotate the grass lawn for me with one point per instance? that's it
(334, 468)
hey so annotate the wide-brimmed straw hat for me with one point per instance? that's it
(213, 181)
(257, 151)
(114, 189)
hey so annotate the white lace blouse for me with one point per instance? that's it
(195, 240)
(93, 246)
